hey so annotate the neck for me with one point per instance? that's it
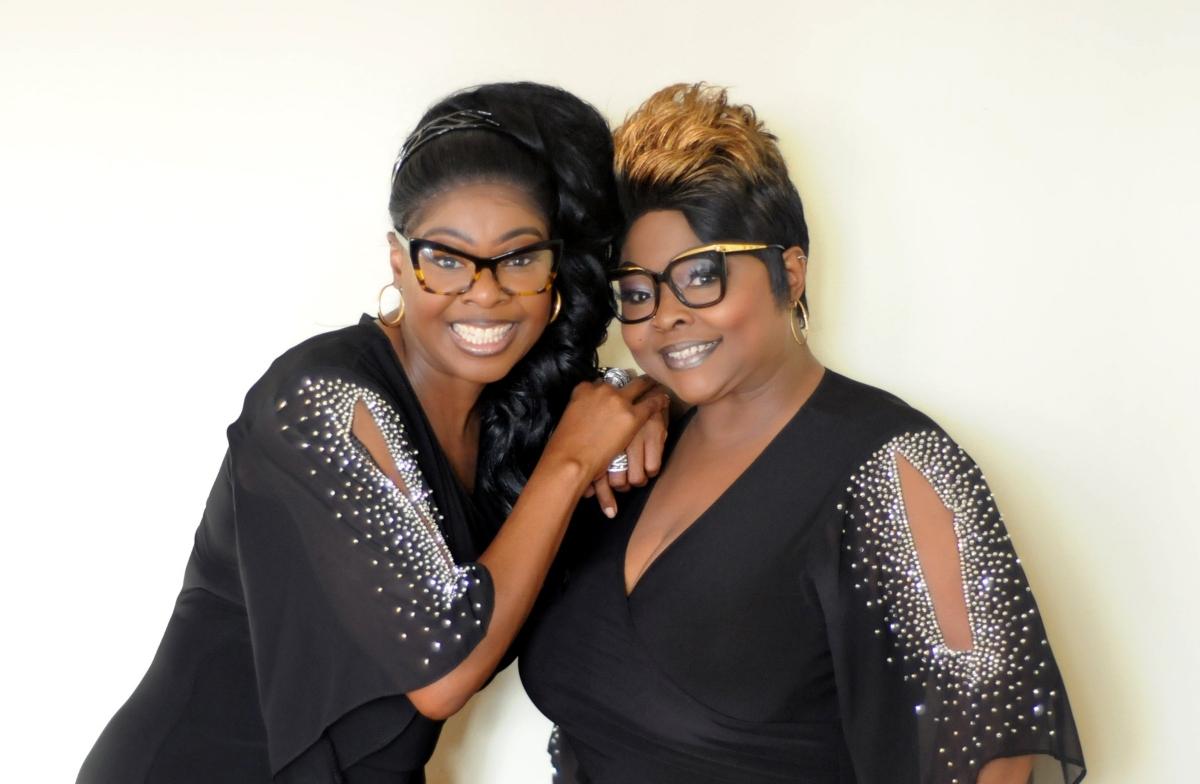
(762, 404)
(449, 402)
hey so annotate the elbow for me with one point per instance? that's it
(437, 703)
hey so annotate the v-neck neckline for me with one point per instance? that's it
(640, 506)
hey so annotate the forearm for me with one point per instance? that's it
(517, 560)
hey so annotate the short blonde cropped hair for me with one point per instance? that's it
(687, 134)
(687, 148)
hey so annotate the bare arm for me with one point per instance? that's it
(932, 527)
(598, 422)
(518, 560)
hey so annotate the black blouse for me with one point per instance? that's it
(787, 635)
(318, 592)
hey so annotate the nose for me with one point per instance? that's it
(671, 312)
(486, 291)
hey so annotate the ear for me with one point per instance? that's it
(396, 256)
(795, 264)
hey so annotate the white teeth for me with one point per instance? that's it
(481, 336)
(690, 351)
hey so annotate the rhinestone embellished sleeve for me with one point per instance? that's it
(1001, 697)
(438, 608)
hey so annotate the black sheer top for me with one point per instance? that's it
(318, 592)
(788, 634)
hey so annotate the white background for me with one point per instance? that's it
(1003, 203)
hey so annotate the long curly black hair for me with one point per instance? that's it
(559, 149)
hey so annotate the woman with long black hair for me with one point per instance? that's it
(818, 586)
(364, 560)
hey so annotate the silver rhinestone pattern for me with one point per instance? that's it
(435, 600)
(1003, 690)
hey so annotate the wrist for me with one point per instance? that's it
(565, 471)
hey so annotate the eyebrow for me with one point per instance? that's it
(452, 232)
(519, 232)
(505, 237)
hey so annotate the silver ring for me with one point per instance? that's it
(619, 464)
(616, 377)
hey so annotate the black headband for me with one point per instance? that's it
(461, 120)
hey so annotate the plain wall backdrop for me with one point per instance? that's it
(1003, 204)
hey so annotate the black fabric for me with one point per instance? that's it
(317, 593)
(778, 638)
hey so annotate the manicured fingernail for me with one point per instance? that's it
(610, 511)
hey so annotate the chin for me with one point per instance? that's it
(692, 395)
(485, 369)
(691, 387)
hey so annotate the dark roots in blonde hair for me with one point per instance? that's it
(688, 149)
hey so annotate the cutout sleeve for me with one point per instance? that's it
(351, 591)
(940, 654)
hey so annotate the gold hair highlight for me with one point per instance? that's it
(688, 134)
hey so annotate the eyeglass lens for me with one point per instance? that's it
(446, 272)
(695, 281)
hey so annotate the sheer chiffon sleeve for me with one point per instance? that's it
(940, 654)
(351, 591)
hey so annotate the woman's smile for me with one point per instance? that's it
(688, 354)
(483, 338)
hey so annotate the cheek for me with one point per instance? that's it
(748, 319)
(425, 308)
(636, 337)
(536, 314)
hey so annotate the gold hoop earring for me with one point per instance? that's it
(557, 306)
(400, 316)
(801, 335)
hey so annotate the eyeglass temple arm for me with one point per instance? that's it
(727, 247)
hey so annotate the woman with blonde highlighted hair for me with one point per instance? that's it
(818, 587)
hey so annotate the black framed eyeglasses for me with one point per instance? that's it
(696, 277)
(522, 272)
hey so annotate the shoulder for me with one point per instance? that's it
(861, 418)
(326, 362)
(337, 350)
(879, 428)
